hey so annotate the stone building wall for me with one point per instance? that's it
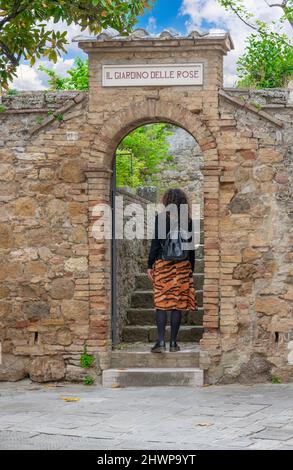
(56, 278)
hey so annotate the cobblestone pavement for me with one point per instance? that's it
(218, 417)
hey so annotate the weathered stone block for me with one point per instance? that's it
(73, 172)
(35, 268)
(239, 204)
(64, 337)
(47, 369)
(55, 209)
(270, 305)
(263, 173)
(62, 288)
(244, 271)
(269, 155)
(77, 209)
(36, 310)
(6, 236)
(75, 309)
(24, 207)
(10, 271)
(78, 234)
(13, 368)
(249, 254)
(256, 370)
(46, 174)
(4, 291)
(7, 172)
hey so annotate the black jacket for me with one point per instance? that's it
(157, 244)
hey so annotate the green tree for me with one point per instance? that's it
(24, 33)
(140, 154)
(238, 7)
(77, 79)
(266, 63)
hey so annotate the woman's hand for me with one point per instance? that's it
(151, 274)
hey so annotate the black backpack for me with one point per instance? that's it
(173, 246)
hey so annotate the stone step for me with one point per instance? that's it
(148, 333)
(142, 282)
(145, 299)
(142, 357)
(146, 316)
(152, 377)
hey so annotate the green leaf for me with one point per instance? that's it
(24, 31)
(267, 61)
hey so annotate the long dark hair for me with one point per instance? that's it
(175, 196)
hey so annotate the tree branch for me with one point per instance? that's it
(8, 54)
(243, 19)
(254, 27)
(271, 5)
(12, 15)
(282, 5)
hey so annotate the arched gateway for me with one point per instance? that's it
(186, 96)
(64, 168)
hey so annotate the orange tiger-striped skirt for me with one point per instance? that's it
(173, 286)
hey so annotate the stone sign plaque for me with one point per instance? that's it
(152, 75)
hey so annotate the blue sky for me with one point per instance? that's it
(166, 15)
(181, 15)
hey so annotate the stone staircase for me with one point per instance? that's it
(141, 316)
(132, 363)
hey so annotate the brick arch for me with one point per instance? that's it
(99, 173)
(145, 112)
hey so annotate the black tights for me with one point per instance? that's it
(175, 320)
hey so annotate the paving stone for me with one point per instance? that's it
(273, 433)
(265, 444)
(144, 418)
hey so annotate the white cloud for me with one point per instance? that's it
(30, 78)
(27, 79)
(201, 12)
(152, 25)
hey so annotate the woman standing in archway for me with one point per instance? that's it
(171, 265)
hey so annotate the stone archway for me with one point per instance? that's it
(99, 175)
(52, 272)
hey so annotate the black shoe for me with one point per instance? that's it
(174, 347)
(159, 347)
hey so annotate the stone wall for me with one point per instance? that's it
(130, 259)
(256, 234)
(43, 232)
(184, 171)
(56, 278)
